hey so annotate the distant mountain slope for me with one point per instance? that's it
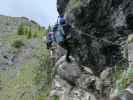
(24, 64)
(9, 25)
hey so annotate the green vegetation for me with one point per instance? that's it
(56, 98)
(31, 78)
(131, 41)
(43, 78)
(124, 78)
(31, 31)
(49, 29)
(18, 43)
(75, 3)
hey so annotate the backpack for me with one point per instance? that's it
(50, 37)
(59, 34)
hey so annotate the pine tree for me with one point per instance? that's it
(21, 30)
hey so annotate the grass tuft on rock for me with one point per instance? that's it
(18, 43)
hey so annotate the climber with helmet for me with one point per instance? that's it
(60, 30)
(57, 35)
(50, 39)
(51, 44)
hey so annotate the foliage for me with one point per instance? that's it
(44, 76)
(31, 78)
(124, 78)
(131, 41)
(18, 86)
(56, 98)
(31, 31)
(75, 3)
(49, 29)
(18, 43)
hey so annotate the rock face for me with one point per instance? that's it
(99, 28)
(75, 82)
(130, 53)
(96, 39)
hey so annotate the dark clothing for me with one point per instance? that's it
(50, 39)
(49, 45)
(66, 28)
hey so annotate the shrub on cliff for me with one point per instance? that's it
(125, 79)
(18, 43)
(31, 32)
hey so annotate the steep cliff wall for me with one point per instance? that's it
(100, 28)
(97, 41)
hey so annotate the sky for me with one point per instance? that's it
(42, 11)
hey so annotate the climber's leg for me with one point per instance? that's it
(67, 56)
